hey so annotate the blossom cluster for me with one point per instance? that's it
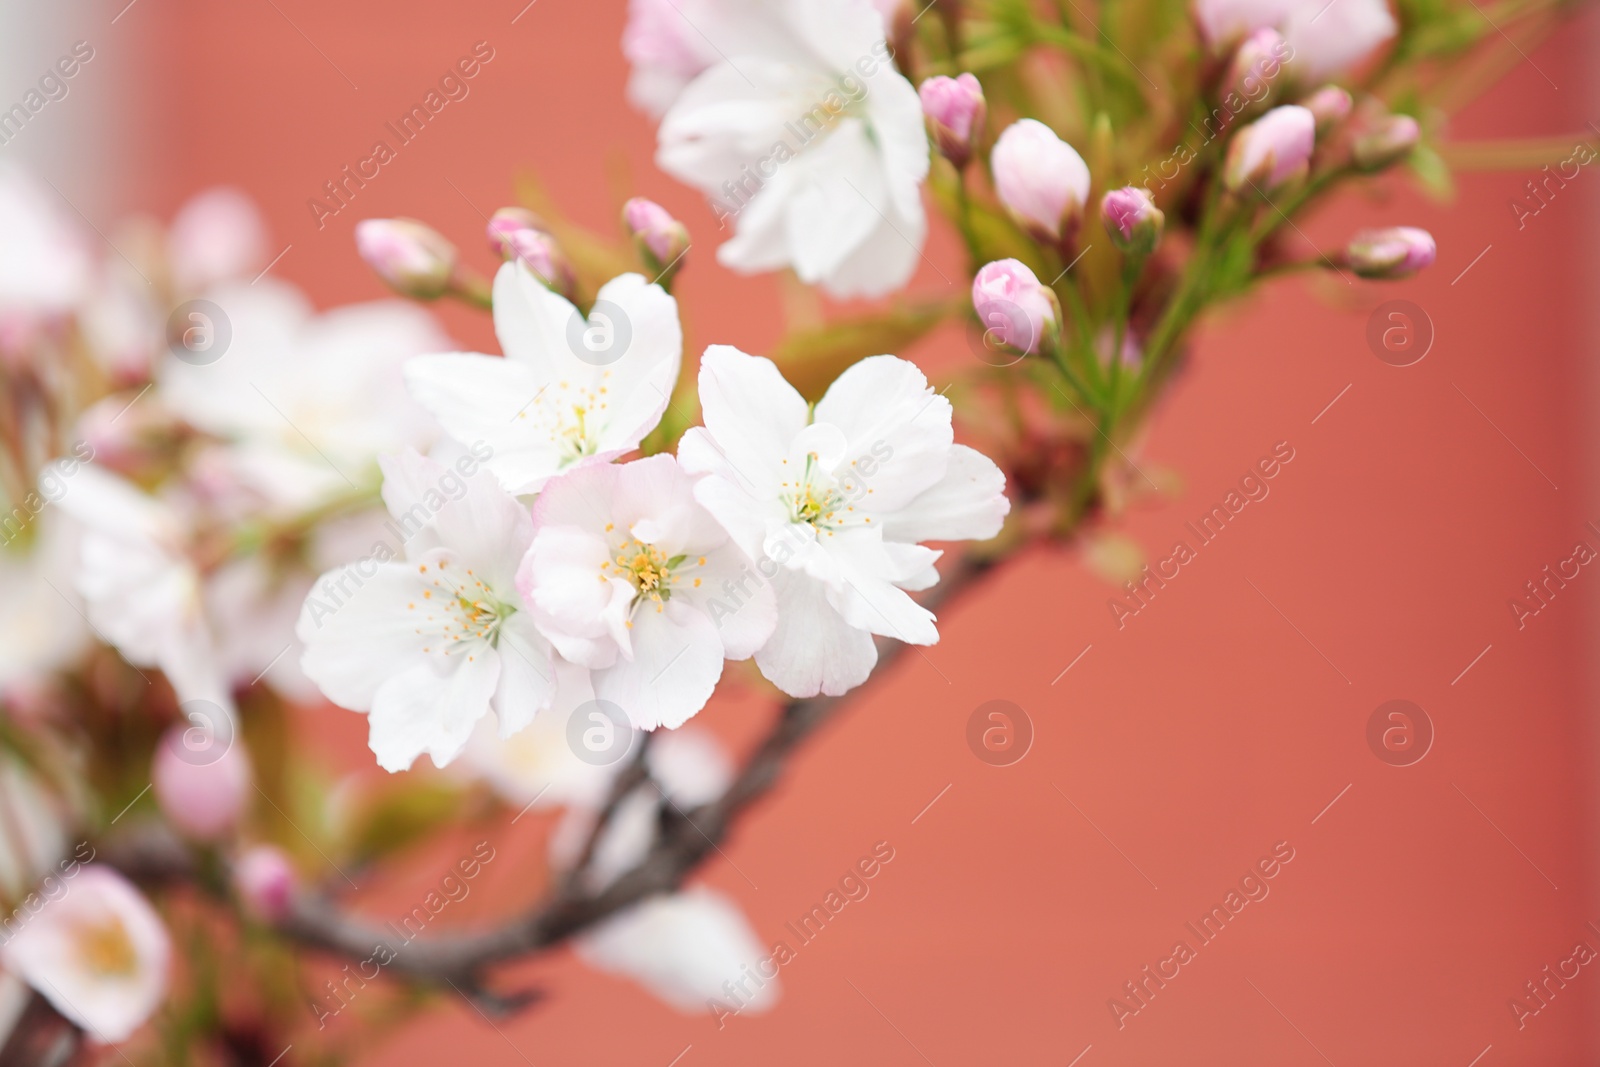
(521, 564)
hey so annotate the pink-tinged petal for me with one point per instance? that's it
(99, 954)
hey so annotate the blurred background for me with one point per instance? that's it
(1227, 719)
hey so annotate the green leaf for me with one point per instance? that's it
(1432, 173)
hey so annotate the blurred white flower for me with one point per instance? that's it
(217, 236)
(44, 258)
(309, 400)
(142, 590)
(537, 767)
(621, 577)
(41, 627)
(427, 644)
(33, 833)
(570, 391)
(806, 135)
(98, 953)
(1327, 39)
(684, 948)
(667, 49)
(833, 502)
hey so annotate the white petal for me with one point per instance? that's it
(751, 413)
(813, 650)
(480, 398)
(640, 381)
(676, 663)
(683, 948)
(527, 674)
(887, 410)
(358, 632)
(968, 504)
(424, 710)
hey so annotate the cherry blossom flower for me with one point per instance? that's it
(571, 390)
(309, 401)
(805, 135)
(667, 49)
(1327, 39)
(622, 577)
(428, 644)
(141, 588)
(538, 767)
(44, 260)
(833, 503)
(98, 953)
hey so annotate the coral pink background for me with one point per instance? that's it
(1220, 721)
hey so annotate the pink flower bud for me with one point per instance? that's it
(1015, 309)
(661, 239)
(1041, 180)
(1397, 252)
(265, 880)
(507, 221)
(411, 257)
(202, 780)
(1388, 140)
(1132, 219)
(1328, 105)
(1272, 150)
(1256, 66)
(518, 234)
(955, 110)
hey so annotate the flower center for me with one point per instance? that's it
(459, 609)
(573, 414)
(821, 501)
(648, 569)
(106, 949)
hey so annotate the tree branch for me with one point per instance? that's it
(683, 843)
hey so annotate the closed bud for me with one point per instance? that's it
(661, 239)
(1256, 65)
(1041, 180)
(201, 782)
(1016, 310)
(1329, 105)
(265, 881)
(1273, 150)
(1397, 252)
(411, 257)
(1132, 219)
(1388, 140)
(518, 234)
(507, 221)
(955, 110)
